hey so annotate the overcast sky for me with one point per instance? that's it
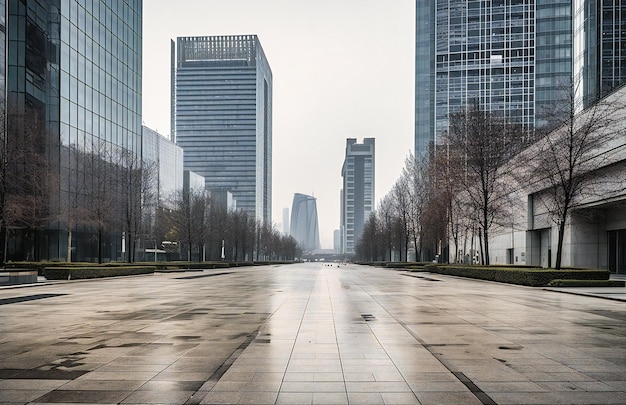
(341, 69)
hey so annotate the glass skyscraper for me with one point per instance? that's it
(599, 47)
(75, 67)
(3, 54)
(357, 195)
(509, 55)
(514, 57)
(304, 224)
(223, 116)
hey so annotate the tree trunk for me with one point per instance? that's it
(559, 247)
(100, 245)
(69, 245)
(486, 253)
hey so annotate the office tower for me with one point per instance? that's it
(509, 55)
(3, 54)
(285, 221)
(337, 240)
(599, 47)
(223, 116)
(223, 201)
(165, 159)
(358, 190)
(304, 224)
(73, 91)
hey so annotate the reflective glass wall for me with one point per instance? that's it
(76, 65)
(223, 116)
(512, 56)
(358, 190)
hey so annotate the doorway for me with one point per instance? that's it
(617, 251)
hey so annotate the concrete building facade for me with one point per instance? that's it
(223, 116)
(595, 233)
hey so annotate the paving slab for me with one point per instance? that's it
(308, 334)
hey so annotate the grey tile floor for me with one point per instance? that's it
(308, 334)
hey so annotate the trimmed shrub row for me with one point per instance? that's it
(78, 273)
(587, 283)
(534, 277)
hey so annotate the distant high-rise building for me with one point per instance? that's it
(223, 116)
(357, 200)
(3, 54)
(223, 200)
(337, 240)
(514, 57)
(304, 223)
(168, 160)
(73, 80)
(286, 221)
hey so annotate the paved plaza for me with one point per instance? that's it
(308, 334)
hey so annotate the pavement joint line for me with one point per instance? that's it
(203, 276)
(469, 384)
(584, 294)
(477, 392)
(27, 298)
(199, 395)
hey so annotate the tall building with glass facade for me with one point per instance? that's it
(509, 55)
(304, 224)
(74, 68)
(3, 53)
(357, 195)
(599, 47)
(513, 56)
(223, 116)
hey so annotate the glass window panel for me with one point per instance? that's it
(73, 114)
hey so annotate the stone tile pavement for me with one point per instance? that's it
(308, 334)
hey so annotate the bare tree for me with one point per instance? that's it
(101, 199)
(402, 206)
(368, 246)
(485, 144)
(132, 180)
(187, 220)
(572, 151)
(417, 188)
(385, 224)
(242, 234)
(26, 180)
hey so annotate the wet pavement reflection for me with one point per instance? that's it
(308, 333)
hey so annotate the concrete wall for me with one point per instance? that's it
(599, 209)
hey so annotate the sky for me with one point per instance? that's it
(341, 69)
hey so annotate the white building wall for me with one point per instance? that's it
(597, 212)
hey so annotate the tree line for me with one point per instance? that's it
(481, 174)
(102, 202)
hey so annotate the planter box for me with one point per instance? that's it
(14, 277)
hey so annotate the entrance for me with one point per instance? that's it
(617, 251)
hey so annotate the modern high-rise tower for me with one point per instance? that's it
(599, 51)
(304, 223)
(515, 57)
(223, 116)
(73, 100)
(357, 195)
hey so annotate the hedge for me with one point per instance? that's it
(587, 283)
(76, 273)
(534, 277)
